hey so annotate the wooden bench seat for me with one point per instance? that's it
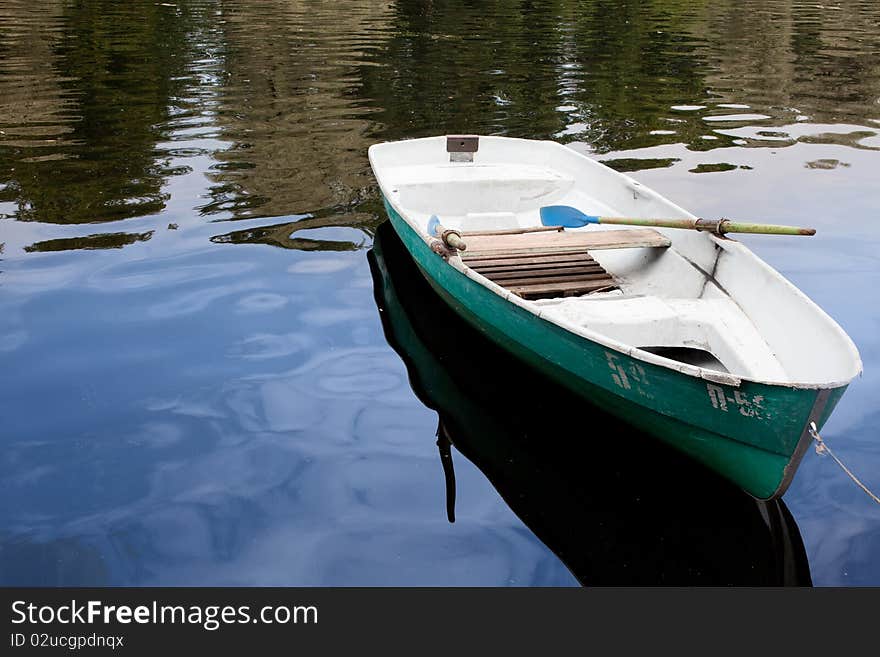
(560, 241)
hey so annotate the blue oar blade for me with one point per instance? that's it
(433, 223)
(565, 216)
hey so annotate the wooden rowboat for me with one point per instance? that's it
(686, 335)
(610, 525)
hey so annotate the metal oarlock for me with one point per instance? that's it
(711, 225)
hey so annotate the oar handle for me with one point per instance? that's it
(728, 226)
(717, 226)
(451, 239)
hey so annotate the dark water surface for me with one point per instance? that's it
(216, 371)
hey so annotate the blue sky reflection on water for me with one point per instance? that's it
(262, 437)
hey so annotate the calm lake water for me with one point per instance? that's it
(219, 368)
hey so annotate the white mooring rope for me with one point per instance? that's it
(822, 449)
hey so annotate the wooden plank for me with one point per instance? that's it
(525, 259)
(534, 266)
(547, 280)
(516, 258)
(556, 294)
(516, 245)
(512, 231)
(526, 282)
(566, 241)
(563, 289)
(501, 254)
(571, 273)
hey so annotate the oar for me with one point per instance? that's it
(569, 217)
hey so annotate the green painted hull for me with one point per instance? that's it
(754, 434)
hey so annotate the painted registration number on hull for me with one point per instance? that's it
(631, 376)
(748, 406)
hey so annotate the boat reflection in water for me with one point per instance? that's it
(615, 506)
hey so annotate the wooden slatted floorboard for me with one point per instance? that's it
(536, 263)
(553, 274)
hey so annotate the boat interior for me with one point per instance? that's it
(684, 299)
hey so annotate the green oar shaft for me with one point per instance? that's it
(719, 226)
